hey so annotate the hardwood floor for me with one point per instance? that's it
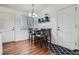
(24, 48)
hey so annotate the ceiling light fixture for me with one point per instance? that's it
(33, 14)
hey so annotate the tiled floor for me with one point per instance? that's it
(58, 50)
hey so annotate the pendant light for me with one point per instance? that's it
(33, 14)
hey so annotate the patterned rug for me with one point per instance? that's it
(58, 50)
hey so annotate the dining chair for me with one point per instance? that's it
(37, 37)
(31, 33)
(46, 40)
(43, 38)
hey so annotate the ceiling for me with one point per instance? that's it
(26, 7)
(38, 7)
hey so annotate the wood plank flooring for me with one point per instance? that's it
(24, 48)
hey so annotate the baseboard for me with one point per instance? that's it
(21, 39)
(15, 41)
(9, 42)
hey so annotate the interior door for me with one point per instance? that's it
(7, 27)
(60, 29)
(66, 27)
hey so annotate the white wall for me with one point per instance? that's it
(52, 24)
(51, 10)
(19, 34)
(77, 24)
(1, 44)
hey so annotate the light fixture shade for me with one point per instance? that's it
(32, 15)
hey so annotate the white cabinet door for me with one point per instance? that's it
(66, 27)
(7, 26)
